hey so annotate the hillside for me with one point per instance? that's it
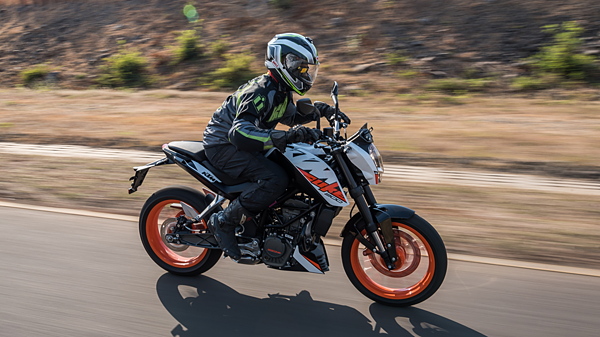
(437, 38)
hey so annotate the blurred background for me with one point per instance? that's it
(500, 87)
(486, 113)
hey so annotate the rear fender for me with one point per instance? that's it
(141, 171)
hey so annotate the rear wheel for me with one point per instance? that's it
(159, 217)
(419, 271)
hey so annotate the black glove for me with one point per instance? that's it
(303, 134)
(328, 112)
(297, 134)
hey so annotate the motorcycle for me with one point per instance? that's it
(389, 253)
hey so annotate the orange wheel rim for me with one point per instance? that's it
(155, 239)
(407, 280)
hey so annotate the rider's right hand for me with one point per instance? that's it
(297, 134)
(303, 134)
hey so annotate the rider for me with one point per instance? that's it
(243, 128)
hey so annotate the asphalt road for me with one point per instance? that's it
(70, 275)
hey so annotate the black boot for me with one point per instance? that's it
(223, 224)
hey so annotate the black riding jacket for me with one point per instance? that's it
(248, 117)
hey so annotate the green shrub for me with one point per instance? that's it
(32, 75)
(408, 74)
(458, 85)
(396, 58)
(234, 73)
(188, 47)
(529, 83)
(125, 69)
(562, 57)
(219, 48)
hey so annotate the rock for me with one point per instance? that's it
(427, 59)
(422, 61)
(366, 67)
(336, 21)
(468, 56)
(52, 77)
(438, 73)
(399, 46)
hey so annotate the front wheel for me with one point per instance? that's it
(159, 218)
(419, 271)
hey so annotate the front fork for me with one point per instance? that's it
(363, 197)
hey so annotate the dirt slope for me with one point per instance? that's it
(440, 37)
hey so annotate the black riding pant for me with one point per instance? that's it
(269, 179)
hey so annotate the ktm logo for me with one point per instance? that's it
(333, 189)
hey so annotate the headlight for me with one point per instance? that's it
(378, 160)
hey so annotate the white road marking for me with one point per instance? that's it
(398, 173)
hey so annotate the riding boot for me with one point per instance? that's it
(223, 224)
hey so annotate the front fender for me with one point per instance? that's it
(383, 213)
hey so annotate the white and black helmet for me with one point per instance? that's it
(293, 59)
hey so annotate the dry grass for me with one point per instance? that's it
(503, 128)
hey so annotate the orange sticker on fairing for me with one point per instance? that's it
(333, 189)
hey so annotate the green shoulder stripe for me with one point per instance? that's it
(279, 110)
(259, 102)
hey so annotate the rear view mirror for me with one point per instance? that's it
(334, 93)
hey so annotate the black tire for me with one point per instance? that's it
(419, 273)
(156, 218)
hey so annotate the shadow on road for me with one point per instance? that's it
(203, 306)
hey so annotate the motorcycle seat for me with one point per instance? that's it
(195, 150)
(192, 149)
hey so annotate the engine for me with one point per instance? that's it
(282, 235)
(276, 250)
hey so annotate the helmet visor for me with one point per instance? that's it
(301, 69)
